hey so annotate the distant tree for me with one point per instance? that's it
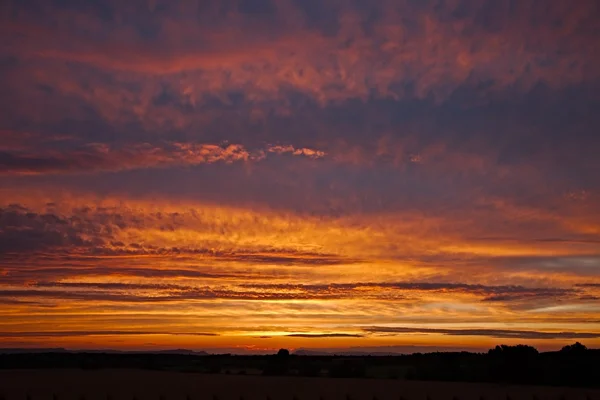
(517, 351)
(283, 353)
(576, 348)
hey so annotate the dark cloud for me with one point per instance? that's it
(96, 333)
(489, 293)
(109, 293)
(100, 158)
(495, 333)
(20, 274)
(324, 335)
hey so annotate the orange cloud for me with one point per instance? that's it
(101, 157)
(436, 53)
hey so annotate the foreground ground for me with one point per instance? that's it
(153, 385)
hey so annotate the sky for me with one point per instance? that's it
(245, 175)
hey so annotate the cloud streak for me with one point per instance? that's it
(62, 334)
(100, 157)
(494, 333)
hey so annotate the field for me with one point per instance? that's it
(123, 384)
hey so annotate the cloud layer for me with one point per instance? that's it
(271, 172)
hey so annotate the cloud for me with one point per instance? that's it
(95, 233)
(324, 335)
(495, 333)
(486, 293)
(96, 333)
(130, 292)
(127, 294)
(100, 157)
(391, 49)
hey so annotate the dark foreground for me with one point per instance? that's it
(127, 384)
(522, 365)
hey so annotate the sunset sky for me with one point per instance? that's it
(245, 175)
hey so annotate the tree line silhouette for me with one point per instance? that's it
(573, 365)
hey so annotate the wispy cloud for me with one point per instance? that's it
(96, 333)
(325, 335)
(101, 157)
(495, 333)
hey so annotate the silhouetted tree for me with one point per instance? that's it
(283, 353)
(574, 349)
(519, 350)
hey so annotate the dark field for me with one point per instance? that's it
(125, 384)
